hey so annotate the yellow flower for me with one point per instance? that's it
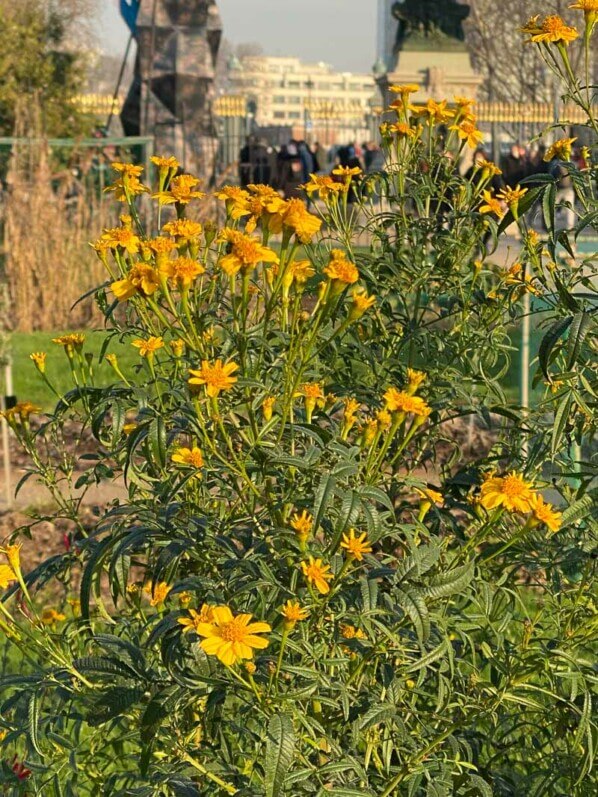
(183, 229)
(243, 253)
(268, 407)
(159, 592)
(589, 7)
(436, 112)
(427, 498)
(561, 149)
(340, 270)
(142, 279)
(552, 29)
(188, 456)
(165, 165)
(294, 216)
(414, 379)
(293, 613)
(73, 342)
(317, 574)
(231, 639)
(205, 615)
(128, 185)
(350, 632)
(313, 394)
(350, 411)
(493, 205)
(510, 491)
(347, 171)
(184, 599)
(545, 513)
(39, 359)
(232, 194)
(325, 185)
(361, 303)
(180, 191)
(406, 90)
(400, 401)
(403, 130)
(50, 616)
(120, 238)
(6, 576)
(302, 524)
(467, 131)
(298, 272)
(356, 547)
(147, 348)
(214, 376)
(512, 195)
(13, 554)
(178, 347)
(488, 169)
(21, 411)
(161, 247)
(183, 271)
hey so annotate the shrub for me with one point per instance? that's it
(312, 587)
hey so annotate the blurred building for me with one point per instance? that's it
(312, 100)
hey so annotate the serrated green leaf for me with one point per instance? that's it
(280, 750)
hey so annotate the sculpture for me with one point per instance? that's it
(173, 87)
(426, 18)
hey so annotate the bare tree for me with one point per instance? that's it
(512, 71)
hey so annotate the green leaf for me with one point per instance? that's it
(580, 327)
(415, 608)
(579, 510)
(33, 709)
(280, 749)
(324, 493)
(449, 583)
(549, 340)
(560, 422)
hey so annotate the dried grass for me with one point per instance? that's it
(51, 214)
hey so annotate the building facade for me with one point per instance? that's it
(312, 100)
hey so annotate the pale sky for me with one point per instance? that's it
(340, 32)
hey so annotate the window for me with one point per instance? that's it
(295, 100)
(326, 86)
(294, 84)
(294, 115)
(279, 114)
(280, 100)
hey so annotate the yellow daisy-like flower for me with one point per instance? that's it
(436, 112)
(511, 491)
(427, 497)
(341, 271)
(404, 90)
(188, 456)
(545, 513)
(512, 195)
(356, 547)
(50, 616)
(180, 191)
(313, 395)
(467, 131)
(302, 524)
(561, 149)
(325, 185)
(165, 164)
(6, 576)
(294, 216)
(183, 271)
(120, 238)
(361, 303)
(400, 401)
(128, 185)
(183, 229)
(350, 632)
(317, 574)
(347, 171)
(414, 380)
(147, 348)
(590, 10)
(204, 615)
(73, 342)
(159, 592)
(231, 638)
(178, 347)
(268, 407)
(492, 204)
(232, 193)
(293, 613)
(142, 279)
(243, 253)
(39, 360)
(215, 376)
(13, 554)
(21, 411)
(552, 29)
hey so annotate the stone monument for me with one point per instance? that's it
(430, 50)
(173, 87)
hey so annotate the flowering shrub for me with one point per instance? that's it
(312, 587)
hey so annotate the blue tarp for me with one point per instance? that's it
(129, 10)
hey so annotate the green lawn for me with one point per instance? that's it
(28, 384)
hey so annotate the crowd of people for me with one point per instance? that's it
(289, 167)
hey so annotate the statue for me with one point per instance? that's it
(173, 87)
(423, 19)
